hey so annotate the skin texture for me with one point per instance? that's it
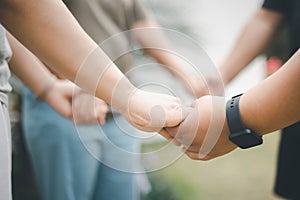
(261, 29)
(60, 93)
(49, 30)
(157, 46)
(87, 109)
(271, 105)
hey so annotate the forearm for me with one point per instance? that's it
(274, 103)
(48, 29)
(33, 24)
(29, 68)
(253, 40)
(172, 62)
(157, 46)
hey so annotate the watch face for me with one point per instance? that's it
(246, 139)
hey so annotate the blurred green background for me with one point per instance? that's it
(241, 175)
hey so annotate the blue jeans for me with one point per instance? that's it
(66, 163)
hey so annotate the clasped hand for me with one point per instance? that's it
(201, 128)
(204, 132)
(76, 105)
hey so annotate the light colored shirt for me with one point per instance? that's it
(102, 19)
(5, 55)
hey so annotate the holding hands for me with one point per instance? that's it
(58, 94)
(73, 103)
(152, 111)
(88, 109)
(204, 132)
(201, 128)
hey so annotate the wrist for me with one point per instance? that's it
(184, 74)
(248, 116)
(226, 132)
(47, 87)
(224, 79)
(121, 95)
(240, 134)
(226, 74)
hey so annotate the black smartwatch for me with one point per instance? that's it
(240, 135)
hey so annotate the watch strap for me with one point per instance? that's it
(234, 120)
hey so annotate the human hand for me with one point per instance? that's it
(152, 111)
(204, 132)
(59, 96)
(88, 109)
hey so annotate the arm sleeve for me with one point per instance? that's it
(138, 11)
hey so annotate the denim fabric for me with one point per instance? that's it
(66, 158)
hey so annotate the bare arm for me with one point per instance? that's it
(274, 103)
(253, 40)
(147, 32)
(271, 105)
(58, 93)
(38, 78)
(29, 68)
(48, 29)
(157, 45)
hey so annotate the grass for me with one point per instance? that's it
(243, 174)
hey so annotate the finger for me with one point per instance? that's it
(172, 131)
(93, 116)
(101, 114)
(78, 108)
(101, 117)
(165, 134)
(101, 120)
(104, 109)
(176, 116)
(197, 156)
(178, 133)
(173, 113)
(193, 148)
(175, 142)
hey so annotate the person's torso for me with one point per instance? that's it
(293, 21)
(104, 21)
(290, 10)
